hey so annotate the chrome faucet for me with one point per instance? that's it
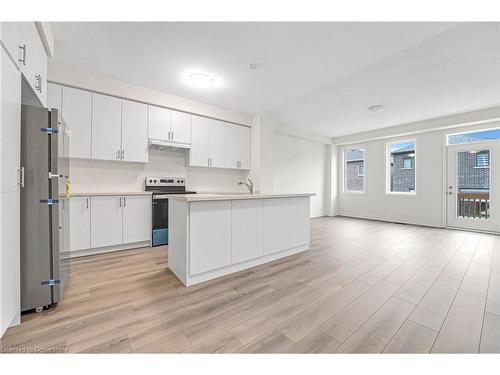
(248, 184)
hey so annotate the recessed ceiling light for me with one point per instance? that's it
(376, 108)
(201, 80)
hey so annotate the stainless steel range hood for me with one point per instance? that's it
(157, 144)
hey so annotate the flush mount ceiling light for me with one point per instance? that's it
(201, 80)
(376, 108)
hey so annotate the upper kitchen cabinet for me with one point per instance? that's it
(159, 123)
(106, 127)
(238, 146)
(77, 112)
(169, 126)
(208, 147)
(134, 131)
(25, 47)
(180, 128)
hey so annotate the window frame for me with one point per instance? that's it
(344, 189)
(388, 168)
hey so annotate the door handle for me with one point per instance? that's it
(22, 54)
(21, 177)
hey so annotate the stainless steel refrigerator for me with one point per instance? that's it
(44, 207)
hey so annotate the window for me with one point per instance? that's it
(354, 170)
(401, 177)
(407, 163)
(483, 159)
(474, 137)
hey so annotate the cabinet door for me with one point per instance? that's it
(77, 112)
(238, 146)
(181, 127)
(159, 123)
(136, 218)
(11, 37)
(199, 153)
(247, 229)
(217, 138)
(206, 251)
(106, 221)
(299, 221)
(79, 223)
(106, 127)
(10, 123)
(134, 131)
(276, 225)
(34, 65)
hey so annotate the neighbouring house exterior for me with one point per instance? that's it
(473, 171)
(403, 169)
(354, 172)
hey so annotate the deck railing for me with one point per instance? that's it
(473, 205)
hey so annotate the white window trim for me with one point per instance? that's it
(344, 164)
(388, 169)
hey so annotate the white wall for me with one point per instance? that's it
(300, 165)
(88, 176)
(427, 207)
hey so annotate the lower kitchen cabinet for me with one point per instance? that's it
(136, 218)
(211, 246)
(79, 223)
(106, 221)
(247, 229)
(299, 221)
(276, 225)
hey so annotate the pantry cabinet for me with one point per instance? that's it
(106, 127)
(238, 146)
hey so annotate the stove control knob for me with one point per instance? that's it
(155, 181)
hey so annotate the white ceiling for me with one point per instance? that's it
(319, 76)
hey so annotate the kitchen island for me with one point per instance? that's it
(212, 235)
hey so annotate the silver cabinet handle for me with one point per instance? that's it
(172, 136)
(38, 82)
(168, 137)
(208, 162)
(120, 201)
(124, 201)
(118, 154)
(87, 203)
(21, 177)
(22, 54)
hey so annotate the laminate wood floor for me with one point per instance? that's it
(364, 286)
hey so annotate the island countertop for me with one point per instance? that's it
(234, 196)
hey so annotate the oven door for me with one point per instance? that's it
(160, 222)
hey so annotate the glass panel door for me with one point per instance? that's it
(472, 191)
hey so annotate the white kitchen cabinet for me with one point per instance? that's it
(180, 129)
(208, 147)
(134, 131)
(238, 146)
(10, 258)
(54, 96)
(246, 229)
(159, 123)
(106, 221)
(136, 218)
(106, 127)
(79, 223)
(10, 123)
(33, 60)
(209, 252)
(276, 225)
(77, 112)
(11, 35)
(299, 221)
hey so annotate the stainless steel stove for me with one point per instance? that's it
(162, 188)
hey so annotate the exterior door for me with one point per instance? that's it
(473, 186)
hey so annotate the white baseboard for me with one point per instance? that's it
(108, 249)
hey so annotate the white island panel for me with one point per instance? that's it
(247, 230)
(276, 225)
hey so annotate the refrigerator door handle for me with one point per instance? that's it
(21, 177)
